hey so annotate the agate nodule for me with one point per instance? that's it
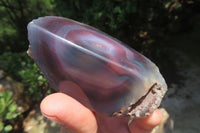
(116, 79)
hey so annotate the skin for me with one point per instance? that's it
(77, 118)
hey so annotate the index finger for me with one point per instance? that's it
(145, 125)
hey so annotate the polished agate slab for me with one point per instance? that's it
(116, 79)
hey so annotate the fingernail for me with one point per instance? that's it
(51, 118)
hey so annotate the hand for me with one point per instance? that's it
(76, 118)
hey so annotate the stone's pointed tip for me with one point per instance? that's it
(29, 53)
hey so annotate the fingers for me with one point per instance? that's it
(109, 124)
(78, 119)
(146, 125)
(69, 112)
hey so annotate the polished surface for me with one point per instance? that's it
(112, 75)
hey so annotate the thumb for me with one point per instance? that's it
(70, 113)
